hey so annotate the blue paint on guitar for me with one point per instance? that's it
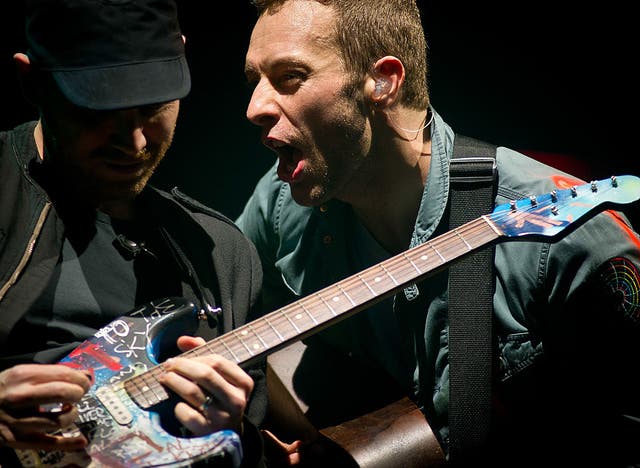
(549, 214)
(128, 348)
(121, 433)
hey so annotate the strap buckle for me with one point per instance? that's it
(473, 169)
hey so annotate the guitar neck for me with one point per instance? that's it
(255, 340)
(544, 216)
(334, 303)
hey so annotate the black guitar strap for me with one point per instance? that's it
(473, 186)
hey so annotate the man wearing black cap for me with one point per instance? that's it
(84, 240)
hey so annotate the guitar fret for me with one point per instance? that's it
(210, 348)
(326, 303)
(157, 391)
(367, 285)
(235, 334)
(292, 322)
(266, 319)
(487, 230)
(410, 261)
(491, 225)
(452, 248)
(284, 324)
(235, 358)
(419, 258)
(264, 344)
(388, 274)
(145, 392)
(346, 295)
(462, 238)
(313, 319)
(403, 270)
(436, 251)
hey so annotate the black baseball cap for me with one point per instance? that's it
(109, 54)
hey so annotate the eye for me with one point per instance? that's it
(285, 83)
(290, 80)
(252, 76)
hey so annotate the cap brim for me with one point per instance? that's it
(125, 86)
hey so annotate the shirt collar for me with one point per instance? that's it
(436, 190)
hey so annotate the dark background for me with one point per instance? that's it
(543, 77)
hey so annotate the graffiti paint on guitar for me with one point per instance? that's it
(117, 414)
(118, 411)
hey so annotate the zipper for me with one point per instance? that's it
(28, 251)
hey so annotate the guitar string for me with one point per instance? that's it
(469, 230)
(313, 299)
(317, 298)
(280, 314)
(277, 318)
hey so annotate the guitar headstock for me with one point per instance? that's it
(548, 214)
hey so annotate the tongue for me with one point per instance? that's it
(298, 170)
(290, 172)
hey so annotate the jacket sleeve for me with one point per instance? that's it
(239, 284)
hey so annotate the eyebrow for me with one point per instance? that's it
(276, 63)
(250, 70)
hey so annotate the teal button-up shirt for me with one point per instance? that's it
(540, 286)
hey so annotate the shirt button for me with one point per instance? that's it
(323, 208)
(328, 239)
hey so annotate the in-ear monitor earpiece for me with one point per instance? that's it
(382, 86)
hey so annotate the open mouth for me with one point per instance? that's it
(290, 160)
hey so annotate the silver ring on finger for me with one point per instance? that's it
(205, 404)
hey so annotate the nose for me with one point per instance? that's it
(263, 109)
(129, 136)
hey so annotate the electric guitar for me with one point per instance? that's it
(118, 414)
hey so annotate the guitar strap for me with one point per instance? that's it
(473, 184)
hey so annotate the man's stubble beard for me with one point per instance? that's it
(353, 123)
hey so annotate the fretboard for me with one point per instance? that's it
(544, 216)
(319, 310)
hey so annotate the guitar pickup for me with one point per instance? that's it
(114, 405)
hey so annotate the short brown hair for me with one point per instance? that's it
(367, 30)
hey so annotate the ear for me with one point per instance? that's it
(386, 79)
(26, 75)
(23, 63)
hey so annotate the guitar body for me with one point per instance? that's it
(118, 414)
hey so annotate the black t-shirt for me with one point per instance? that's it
(106, 268)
